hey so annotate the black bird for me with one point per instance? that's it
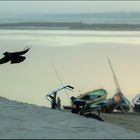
(14, 57)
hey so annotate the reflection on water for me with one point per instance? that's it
(71, 38)
(80, 58)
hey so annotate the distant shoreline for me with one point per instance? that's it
(70, 26)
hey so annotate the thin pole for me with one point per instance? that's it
(114, 77)
(117, 85)
(60, 79)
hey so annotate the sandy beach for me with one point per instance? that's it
(129, 121)
(26, 121)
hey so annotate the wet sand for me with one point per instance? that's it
(129, 121)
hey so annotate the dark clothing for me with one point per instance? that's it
(53, 103)
(59, 103)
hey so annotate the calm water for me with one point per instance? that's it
(80, 58)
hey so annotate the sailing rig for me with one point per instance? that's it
(51, 97)
(122, 102)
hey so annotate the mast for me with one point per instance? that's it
(114, 77)
(117, 86)
(58, 76)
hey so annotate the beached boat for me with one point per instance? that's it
(93, 96)
(96, 99)
(90, 98)
(118, 102)
(136, 102)
(81, 104)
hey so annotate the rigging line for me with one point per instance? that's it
(57, 74)
(60, 80)
(114, 77)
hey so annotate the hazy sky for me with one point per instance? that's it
(68, 7)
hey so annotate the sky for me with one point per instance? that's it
(30, 7)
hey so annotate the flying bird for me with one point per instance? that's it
(14, 57)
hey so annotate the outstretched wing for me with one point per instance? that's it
(18, 59)
(21, 52)
(4, 60)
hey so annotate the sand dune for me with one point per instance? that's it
(21, 120)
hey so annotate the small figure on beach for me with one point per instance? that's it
(59, 103)
(53, 100)
(79, 105)
(14, 57)
(52, 95)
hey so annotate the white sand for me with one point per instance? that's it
(20, 120)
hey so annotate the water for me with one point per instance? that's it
(116, 17)
(80, 58)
